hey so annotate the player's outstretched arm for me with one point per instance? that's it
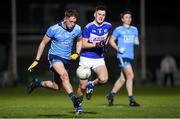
(113, 43)
(87, 45)
(41, 47)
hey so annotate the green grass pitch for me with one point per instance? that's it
(156, 102)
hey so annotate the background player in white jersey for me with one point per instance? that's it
(61, 36)
(95, 35)
(126, 36)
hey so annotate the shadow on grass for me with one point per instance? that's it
(53, 115)
(64, 115)
(114, 105)
(119, 105)
(87, 112)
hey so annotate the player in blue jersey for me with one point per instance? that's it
(126, 37)
(95, 35)
(61, 36)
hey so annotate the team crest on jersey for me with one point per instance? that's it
(105, 30)
(94, 31)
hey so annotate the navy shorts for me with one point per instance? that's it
(53, 59)
(123, 61)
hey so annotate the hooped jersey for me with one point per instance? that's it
(95, 33)
(126, 38)
(62, 40)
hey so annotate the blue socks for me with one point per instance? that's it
(131, 98)
(72, 96)
(112, 94)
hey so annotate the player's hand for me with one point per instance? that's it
(121, 50)
(34, 64)
(100, 44)
(74, 56)
(136, 42)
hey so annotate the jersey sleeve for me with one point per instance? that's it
(136, 38)
(79, 33)
(115, 33)
(50, 32)
(136, 32)
(85, 33)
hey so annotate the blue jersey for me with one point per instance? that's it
(126, 38)
(95, 33)
(62, 40)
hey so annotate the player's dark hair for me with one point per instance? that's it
(101, 7)
(124, 13)
(71, 12)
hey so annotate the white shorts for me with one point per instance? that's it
(90, 62)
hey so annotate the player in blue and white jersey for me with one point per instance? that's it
(95, 35)
(126, 37)
(61, 36)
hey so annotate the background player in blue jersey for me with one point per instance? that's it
(95, 35)
(126, 37)
(61, 36)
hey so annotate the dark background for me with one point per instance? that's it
(162, 21)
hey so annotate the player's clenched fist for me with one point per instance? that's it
(34, 64)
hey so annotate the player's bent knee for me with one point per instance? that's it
(103, 80)
(122, 79)
(55, 87)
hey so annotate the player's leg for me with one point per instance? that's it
(60, 69)
(117, 86)
(83, 82)
(50, 84)
(82, 87)
(63, 75)
(89, 62)
(129, 74)
(54, 84)
(165, 79)
(102, 75)
(172, 79)
(80, 92)
(119, 83)
(36, 82)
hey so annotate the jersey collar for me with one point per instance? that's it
(61, 24)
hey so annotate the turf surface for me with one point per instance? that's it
(156, 102)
